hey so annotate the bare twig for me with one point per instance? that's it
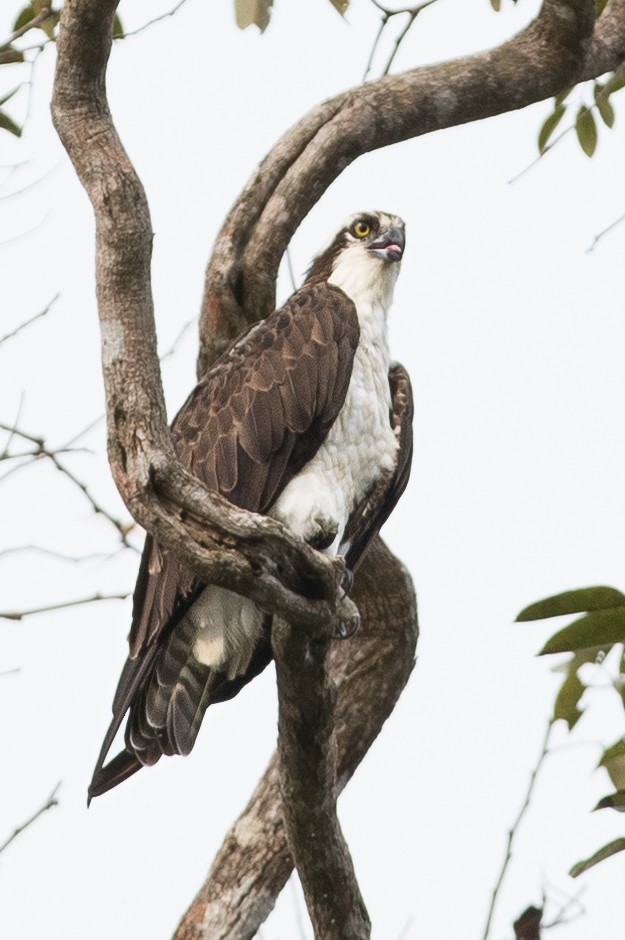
(25, 233)
(605, 231)
(33, 183)
(515, 827)
(26, 323)
(307, 749)
(289, 265)
(43, 450)
(174, 345)
(50, 802)
(387, 15)
(10, 672)
(20, 614)
(156, 19)
(61, 556)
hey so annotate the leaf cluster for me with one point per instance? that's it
(584, 120)
(590, 638)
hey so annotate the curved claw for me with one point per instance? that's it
(348, 580)
(347, 620)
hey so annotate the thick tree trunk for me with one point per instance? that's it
(370, 672)
(224, 544)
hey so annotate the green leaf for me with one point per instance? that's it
(613, 801)
(567, 699)
(118, 29)
(616, 81)
(24, 16)
(340, 5)
(574, 602)
(496, 5)
(614, 762)
(601, 628)
(9, 55)
(586, 130)
(610, 849)
(549, 127)
(255, 12)
(606, 111)
(8, 124)
(600, 6)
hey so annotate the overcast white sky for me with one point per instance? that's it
(515, 341)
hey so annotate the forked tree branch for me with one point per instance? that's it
(370, 673)
(223, 544)
(226, 545)
(553, 52)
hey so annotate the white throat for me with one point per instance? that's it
(367, 280)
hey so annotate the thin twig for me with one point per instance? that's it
(44, 451)
(50, 802)
(605, 231)
(412, 11)
(10, 672)
(20, 614)
(61, 556)
(403, 933)
(289, 265)
(9, 439)
(174, 345)
(31, 24)
(515, 827)
(34, 183)
(90, 427)
(603, 95)
(23, 326)
(156, 19)
(28, 231)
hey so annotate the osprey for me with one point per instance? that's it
(303, 419)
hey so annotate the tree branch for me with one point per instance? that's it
(307, 749)
(551, 53)
(50, 802)
(250, 554)
(370, 672)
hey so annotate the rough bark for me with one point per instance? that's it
(256, 556)
(556, 50)
(250, 554)
(370, 672)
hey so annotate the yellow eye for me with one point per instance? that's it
(361, 229)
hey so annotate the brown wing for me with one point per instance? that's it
(248, 427)
(371, 514)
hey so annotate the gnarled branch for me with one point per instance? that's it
(370, 673)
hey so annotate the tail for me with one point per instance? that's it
(116, 771)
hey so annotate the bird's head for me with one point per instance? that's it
(366, 248)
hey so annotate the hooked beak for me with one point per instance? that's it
(389, 245)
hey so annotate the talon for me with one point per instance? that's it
(348, 580)
(344, 629)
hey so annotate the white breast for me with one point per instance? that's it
(361, 444)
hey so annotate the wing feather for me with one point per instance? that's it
(248, 427)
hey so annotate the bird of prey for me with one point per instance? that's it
(303, 419)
